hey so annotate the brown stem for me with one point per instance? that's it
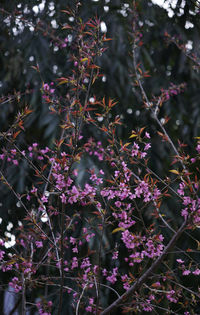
(62, 260)
(99, 264)
(23, 295)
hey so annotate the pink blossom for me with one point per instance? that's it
(113, 277)
(198, 148)
(85, 263)
(135, 149)
(171, 297)
(186, 200)
(15, 284)
(39, 244)
(184, 213)
(66, 40)
(196, 272)
(118, 204)
(186, 272)
(74, 263)
(63, 198)
(89, 236)
(33, 190)
(156, 193)
(115, 255)
(72, 240)
(147, 147)
(88, 309)
(142, 155)
(1, 254)
(147, 308)
(44, 199)
(181, 189)
(75, 249)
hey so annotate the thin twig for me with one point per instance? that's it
(99, 262)
(23, 295)
(61, 260)
(79, 300)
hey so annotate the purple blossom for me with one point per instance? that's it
(85, 263)
(198, 148)
(63, 198)
(135, 149)
(147, 147)
(39, 244)
(44, 199)
(171, 297)
(196, 272)
(1, 254)
(15, 284)
(186, 272)
(74, 263)
(115, 255)
(113, 277)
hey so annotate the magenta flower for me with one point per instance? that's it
(39, 244)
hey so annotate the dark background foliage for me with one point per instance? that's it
(23, 45)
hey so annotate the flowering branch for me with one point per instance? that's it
(138, 283)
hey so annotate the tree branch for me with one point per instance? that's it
(137, 285)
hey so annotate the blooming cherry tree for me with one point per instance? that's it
(109, 234)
